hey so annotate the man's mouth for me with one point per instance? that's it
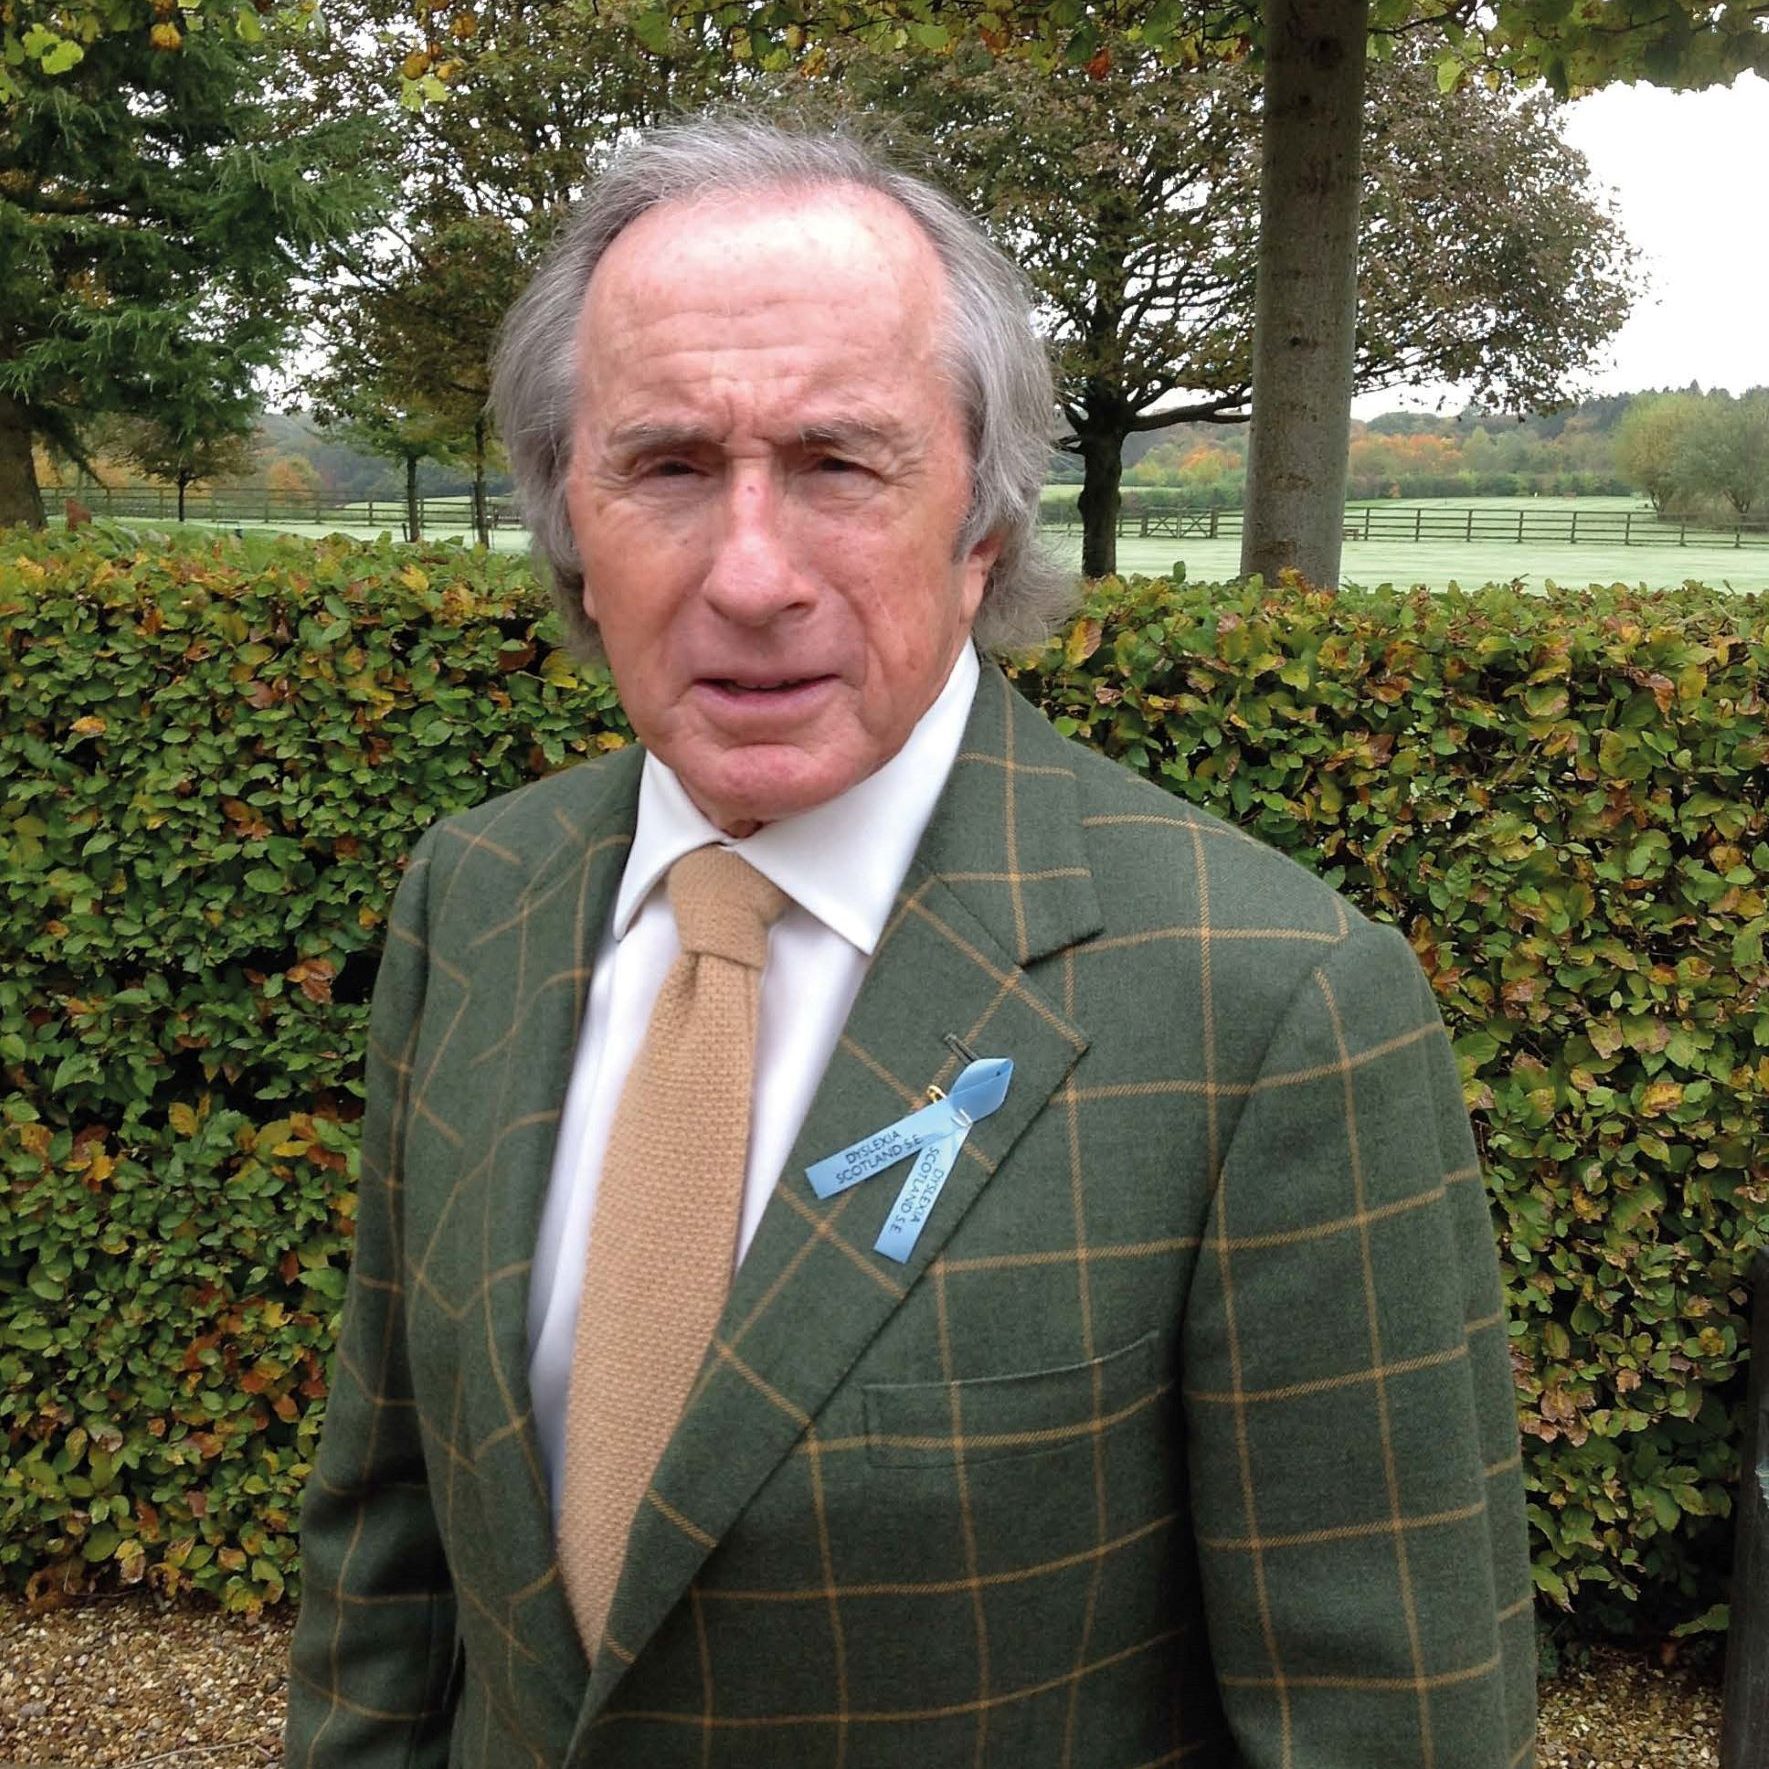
(763, 685)
(758, 703)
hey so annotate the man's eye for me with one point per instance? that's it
(837, 464)
(671, 469)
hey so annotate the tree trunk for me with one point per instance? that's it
(20, 500)
(183, 481)
(481, 528)
(414, 511)
(1305, 319)
(1102, 466)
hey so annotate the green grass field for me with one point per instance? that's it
(1437, 564)
(1432, 564)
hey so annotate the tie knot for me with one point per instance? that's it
(723, 906)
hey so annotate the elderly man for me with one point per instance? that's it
(884, 1239)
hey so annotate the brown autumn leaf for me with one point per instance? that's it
(1082, 642)
(313, 977)
(1661, 1097)
(51, 1587)
(244, 821)
(1664, 690)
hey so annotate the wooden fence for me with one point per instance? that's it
(1560, 524)
(237, 505)
(1566, 526)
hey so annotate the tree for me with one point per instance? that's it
(206, 435)
(1305, 324)
(1649, 445)
(539, 97)
(1688, 43)
(411, 346)
(154, 208)
(1130, 194)
(1311, 128)
(387, 423)
(293, 476)
(1723, 451)
(1314, 48)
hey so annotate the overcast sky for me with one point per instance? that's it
(1690, 171)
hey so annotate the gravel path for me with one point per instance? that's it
(124, 1682)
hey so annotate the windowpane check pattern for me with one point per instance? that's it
(1186, 1435)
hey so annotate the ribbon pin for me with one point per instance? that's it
(934, 1135)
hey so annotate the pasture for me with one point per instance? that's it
(1541, 559)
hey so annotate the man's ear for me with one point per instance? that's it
(978, 563)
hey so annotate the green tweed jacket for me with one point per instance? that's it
(1185, 1436)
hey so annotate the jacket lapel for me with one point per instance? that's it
(531, 975)
(999, 882)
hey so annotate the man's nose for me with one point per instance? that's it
(753, 576)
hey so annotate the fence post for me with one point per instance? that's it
(1627, 528)
(1418, 520)
(1744, 1717)
(1575, 525)
(1213, 522)
(1683, 533)
(1520, 525)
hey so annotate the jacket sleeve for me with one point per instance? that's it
(1352, 1436)
(370, 1664)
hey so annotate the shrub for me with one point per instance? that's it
(216, 757)
(212, 774)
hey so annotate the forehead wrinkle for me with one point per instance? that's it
(619, 321)
(643, 436)
(851, 433)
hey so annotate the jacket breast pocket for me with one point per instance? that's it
(993, 1418)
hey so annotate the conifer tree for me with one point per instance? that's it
(156, 203)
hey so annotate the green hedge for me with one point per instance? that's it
(212, 771)
(213, 759)
(1562, 800)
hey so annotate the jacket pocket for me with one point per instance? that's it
(990, 1418)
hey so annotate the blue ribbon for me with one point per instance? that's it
(934, 1135)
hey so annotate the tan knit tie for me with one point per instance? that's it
(664, 1237)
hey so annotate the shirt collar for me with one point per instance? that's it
(812, 856)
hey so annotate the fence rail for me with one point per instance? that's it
(1571, 527)
(158, 503)
(1567, 526)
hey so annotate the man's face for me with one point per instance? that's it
(768, 476)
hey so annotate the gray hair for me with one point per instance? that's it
(995, 357)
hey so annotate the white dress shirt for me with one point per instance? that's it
(841, 864)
